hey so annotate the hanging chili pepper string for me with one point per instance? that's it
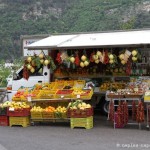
(58, 58)
(125, 113)
(140, 112)
(77, 60)
(119, 116)
(111, 111)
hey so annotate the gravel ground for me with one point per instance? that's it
(59, 136)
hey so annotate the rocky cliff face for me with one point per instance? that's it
(25, 17)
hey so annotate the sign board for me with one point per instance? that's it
(29, 41)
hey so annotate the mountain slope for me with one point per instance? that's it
(26, 17)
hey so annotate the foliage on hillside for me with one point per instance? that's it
(26, 17)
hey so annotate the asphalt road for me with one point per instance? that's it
(59, 136)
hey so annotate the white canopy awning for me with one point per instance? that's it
(103, 39)
(50, 42)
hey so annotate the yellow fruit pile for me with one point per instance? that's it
(61, 109)
(49, 109)
(18, 105)
(78, 105)
(36, 109)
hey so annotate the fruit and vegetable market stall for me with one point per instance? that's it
(79, 63)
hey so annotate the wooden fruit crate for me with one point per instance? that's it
(19, 121)
(81, 122)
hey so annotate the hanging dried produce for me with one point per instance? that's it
(92, 57)
(133, 110)
(125, 113)
(25, 72)
(77, 59)
(128, 67)
(58, 58)
(111, 111)
(140, 112)
(118, 117)
(106, 58)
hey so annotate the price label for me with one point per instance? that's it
(11, 109)
(78, 96)
(62, 96)
(29, 99)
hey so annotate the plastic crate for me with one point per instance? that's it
(59, 85)
(3, 111)
(4, 121)
(19, 112)
(86, 94)
(77, 113)
(69, 83)
(36, 115)
(48, 115)
(79, 84)
(81, 122)
(47, 94)
(16, 98)
(22, 121)
(64, 93)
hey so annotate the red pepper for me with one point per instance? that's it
(91, 57)
(77, 60)
(106, 58)
(58, 58)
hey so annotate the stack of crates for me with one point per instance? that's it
(79, 119)
(4, 120)
(19, 117)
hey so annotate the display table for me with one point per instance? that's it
(119, 100)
